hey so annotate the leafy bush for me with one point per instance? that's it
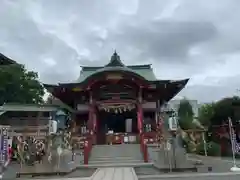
(185, 123)
(228, 153)
(213, 149)
(185, 114)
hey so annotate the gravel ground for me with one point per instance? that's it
(217, 164)
(227, 177)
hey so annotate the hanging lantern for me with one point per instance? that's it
(130, 107)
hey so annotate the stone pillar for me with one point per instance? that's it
(140, 111)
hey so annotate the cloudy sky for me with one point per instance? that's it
(181, 38)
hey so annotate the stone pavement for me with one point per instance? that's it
(197, 176)
(108, 174)
(115, 174)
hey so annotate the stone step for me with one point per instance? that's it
(131, 151)
(110, 154)
(116, 150)
(114, 161)
(117, 158)
(123, 164)
(107, 154)
(117, 145)
(108, 151)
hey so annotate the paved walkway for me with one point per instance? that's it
(117, 173)
(124, 173)
(190, 176)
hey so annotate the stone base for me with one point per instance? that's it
(173, 160)
(62, 165)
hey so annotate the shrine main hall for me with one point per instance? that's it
(116, 101)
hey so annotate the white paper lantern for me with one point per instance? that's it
(53, 127)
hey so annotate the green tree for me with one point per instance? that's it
(185, 114)
(17, 85)
(205, 114)
(225, 108)
(50, 99)
(222, 110)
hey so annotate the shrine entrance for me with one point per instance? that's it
(116, 119)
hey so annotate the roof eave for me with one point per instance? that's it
(92, 68)
(6, 60)
(178, 85)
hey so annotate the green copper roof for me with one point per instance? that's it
(116, 64)
(27, 107)
(33, 107)
(145, 72)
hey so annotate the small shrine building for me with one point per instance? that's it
(116, 99)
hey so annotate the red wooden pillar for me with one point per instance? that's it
(94, 116)
(140, 118)
(140, 111)
(90, 114)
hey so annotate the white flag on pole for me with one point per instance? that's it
(235, 145)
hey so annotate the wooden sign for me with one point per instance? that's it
(77, 89)
(114, 77)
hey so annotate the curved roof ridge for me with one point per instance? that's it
(129, 66)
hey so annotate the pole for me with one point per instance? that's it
(174, 151)
(204, 143)
(232, 143)
(168, 149)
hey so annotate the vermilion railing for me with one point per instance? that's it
(87, 148)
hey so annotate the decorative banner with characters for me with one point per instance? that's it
(3, 144)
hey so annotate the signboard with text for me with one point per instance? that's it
(3, 144)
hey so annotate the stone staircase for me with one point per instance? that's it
(116, 154)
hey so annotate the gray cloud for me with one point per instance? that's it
(165, 39)
(197, 39)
